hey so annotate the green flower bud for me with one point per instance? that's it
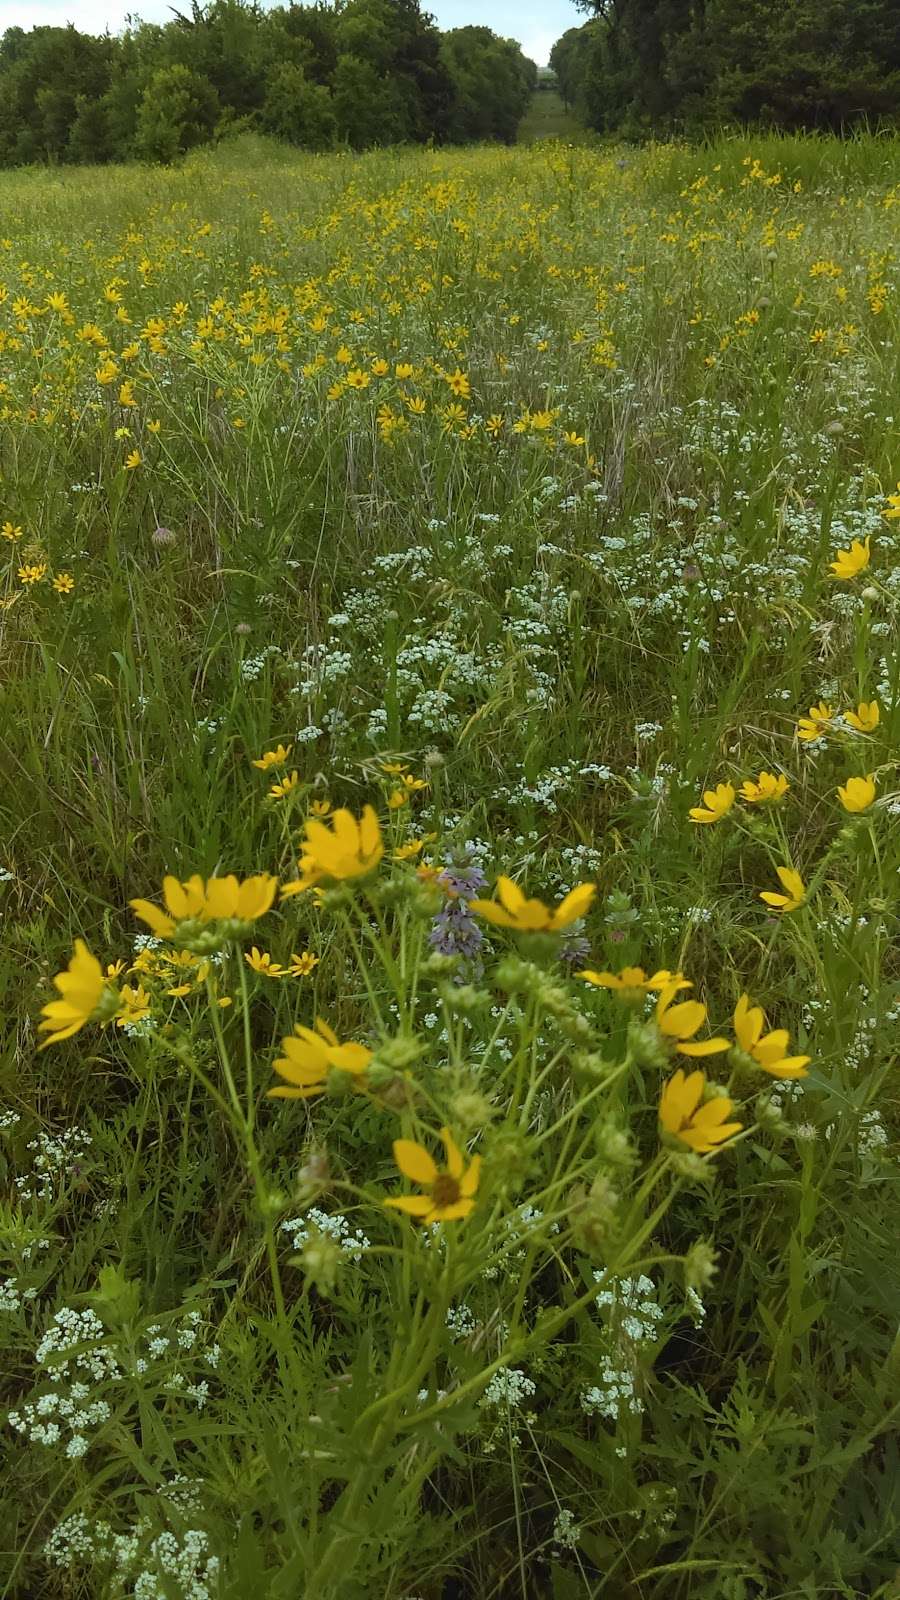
(647, 1045)
(320, 1260)
(700, 1265)
(469, 1109)
(516, 976)
(463, 997)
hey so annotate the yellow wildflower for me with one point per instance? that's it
(893, 511)
(450, 1194)
(769, 1050)
(813, 726)
(288, 782)
(262, 962)
(309, 1055)
(718, 801)
(764, 790)
(302, 965)
(215, 900)
(273, 758)
(697, 1123)
(633, 982)
(679, 1023)
(865, 718)
(81, 986)
(348, 849)
(795, 895)
(849, 563)
(857, 794)
(532, 916)
(134, 1005)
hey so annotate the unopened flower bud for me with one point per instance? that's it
(700, 1265)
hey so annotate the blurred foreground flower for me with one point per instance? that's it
(633, 983)
(309, 1056)
(216, 900)
(346, 849)
(532, 916)
(450, 1194)
(698, 1123)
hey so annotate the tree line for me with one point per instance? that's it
(361, 73)
(652, 66)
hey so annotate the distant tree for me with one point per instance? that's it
(651, 65)
(89, 134)
(179, 110)
(493, 83)
(297, 110)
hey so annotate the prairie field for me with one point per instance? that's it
(450, 720)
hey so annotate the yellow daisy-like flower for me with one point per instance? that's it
(865, 718)
(718, 802)
(302, 965)
(679, 1023)
(289, 782)
(81, 986)
(633, 981)
(850, 563)
(215, 900)
(134, 1004)
(132, 460)
(764, 790)
(532, 916)
(795, 893)
(347, 849)
(450, 1194)
(320, 808)
(274, 758)
(893, 506)
(813, 726)
(697, 1123)
(309, 1055)
(261, 962)
(768, 1050)
(857, 794)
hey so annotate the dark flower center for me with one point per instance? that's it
(445, 1190)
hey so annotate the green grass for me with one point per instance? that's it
(547, 118)
(520, 472)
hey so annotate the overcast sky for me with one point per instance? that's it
(535, 23)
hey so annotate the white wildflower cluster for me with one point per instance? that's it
(163, 1567)
(251, 667)
(566, 1532)
(12, 1297)
(461, 1321)
(614, 1396)
(634, 1311)
(86, 1376)
(353, 1242)
(872, 1136)
(509, 1388)
(519, 1227)
(57, 1157)
(695, 1308)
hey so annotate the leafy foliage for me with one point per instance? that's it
(656, 65)
(366, 73)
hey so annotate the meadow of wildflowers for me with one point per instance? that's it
(450, 689)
